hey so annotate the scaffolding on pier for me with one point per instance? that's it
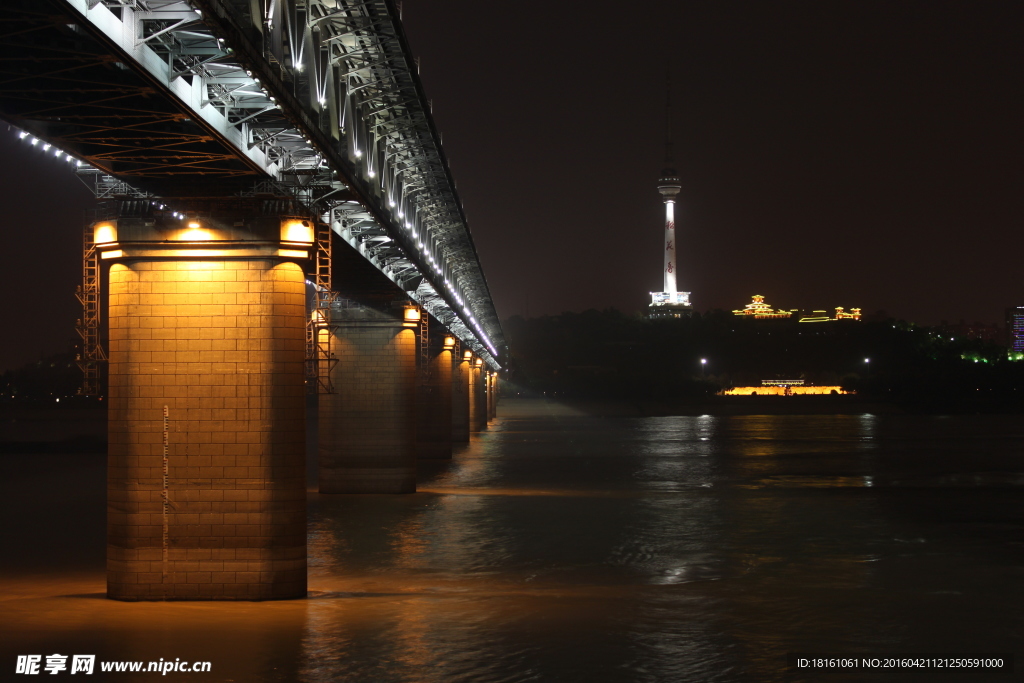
(92, 358)
(320, 356)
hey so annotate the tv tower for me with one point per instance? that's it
(669, 303)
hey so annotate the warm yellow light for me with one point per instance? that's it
(113, 253)
(195, 234)
(412, 314)
(467, 355)
(784, 390)
(293, 253)
(478, 362)
(193, 224)
(449, 342)
(104, 233)
(760, 310)
(294, 230)
(197, 252)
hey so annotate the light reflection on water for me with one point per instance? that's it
(575, 548)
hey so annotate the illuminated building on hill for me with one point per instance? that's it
(759, 310)
(823, 317)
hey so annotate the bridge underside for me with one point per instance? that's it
(316, 99)
(67, 85)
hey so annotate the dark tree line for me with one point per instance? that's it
(55, 376)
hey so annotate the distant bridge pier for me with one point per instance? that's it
(461, 381)
(368, 424)
(434, 401)
(477, 396)
(206, 490)
(492, 395)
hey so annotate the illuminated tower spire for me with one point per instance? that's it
(670, 302)
(668, 186)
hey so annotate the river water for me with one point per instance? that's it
(561, 547)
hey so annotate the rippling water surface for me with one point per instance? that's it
(559, 547)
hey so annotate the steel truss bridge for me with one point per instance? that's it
(316, 101)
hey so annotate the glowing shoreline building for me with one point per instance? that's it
(669, 303)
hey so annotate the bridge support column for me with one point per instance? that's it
(368, 426)
(477, 396)
(206, 490)
(461, 375)
(492, 395)
(434, 410)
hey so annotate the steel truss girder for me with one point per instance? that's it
(330, 87)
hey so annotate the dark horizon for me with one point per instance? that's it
(858, 156)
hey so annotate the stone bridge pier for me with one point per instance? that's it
(206, 490)
(368, 425)
(434, 412)
(207, 323)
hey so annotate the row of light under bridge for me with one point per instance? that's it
(319, 99)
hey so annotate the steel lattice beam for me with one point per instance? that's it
(320, 97)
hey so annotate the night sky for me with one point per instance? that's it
(831, 154)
